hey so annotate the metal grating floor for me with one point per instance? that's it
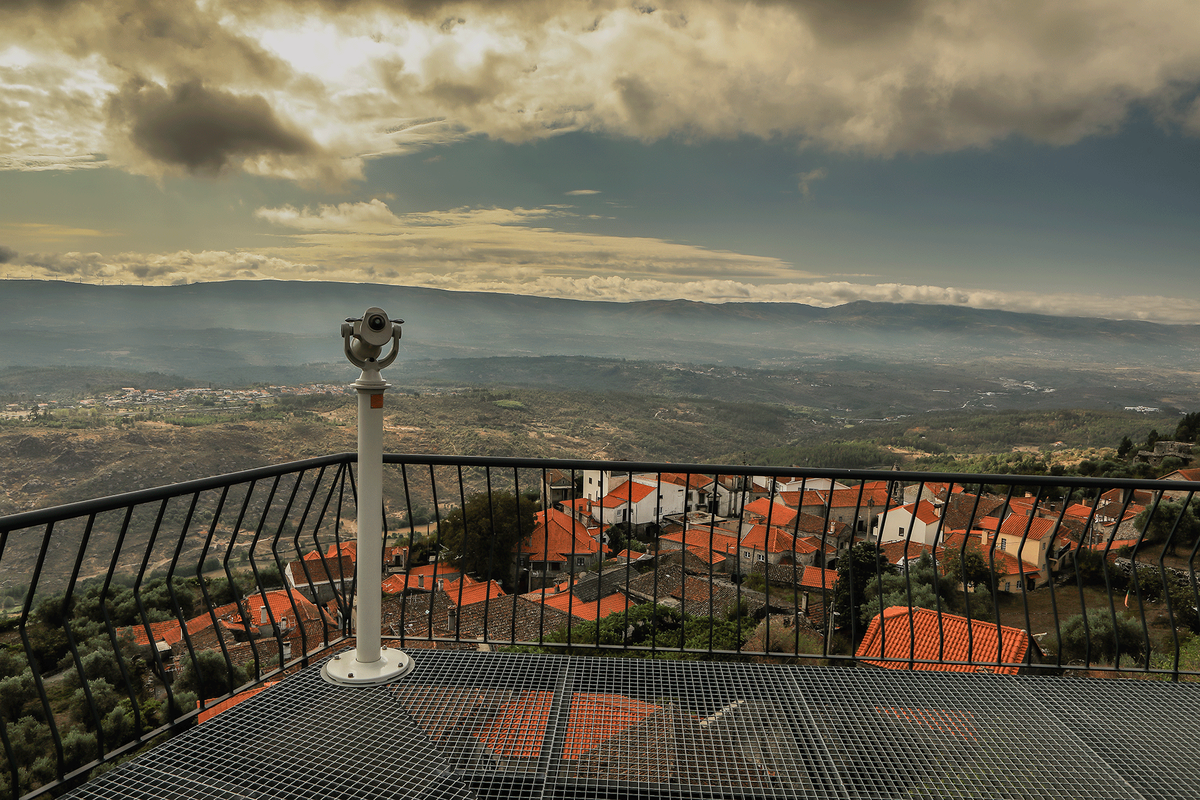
(521, 726)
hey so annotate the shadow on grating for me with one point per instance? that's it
(494, 725)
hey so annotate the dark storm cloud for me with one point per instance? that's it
(202, 129)
(7, 255)
(853, 20)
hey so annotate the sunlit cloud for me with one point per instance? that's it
(312, 79)
(188, 267)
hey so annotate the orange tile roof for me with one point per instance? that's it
(477, 593)
(817, 578)
(169, 631)
(225, 705)
(696, 482)
(778, 513)
(571, 604)
(925, 512)
(702, 537)
(517, 729)
(629, 491)
(1078, 511)
(771, 540)
(558, 538)
(596, 717)
(1191, 474)
(706, 555)
(890, 636)
(1039, 527)
(280, 603)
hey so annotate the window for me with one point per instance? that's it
(745, 555)
(579, 562)
(1004, 544)
(762, 557)
(902, 531)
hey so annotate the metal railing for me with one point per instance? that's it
(130, 617)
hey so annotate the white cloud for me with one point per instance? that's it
(806, 179)
(575, 192)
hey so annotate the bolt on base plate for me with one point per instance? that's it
(346, 670)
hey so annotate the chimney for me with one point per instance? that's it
(451, 619)
(420, 581)
(262, 615)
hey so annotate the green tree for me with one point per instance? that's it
(862, 566)
(1188, 427)
(209, 675)
(1099, 642)
(970, 568)
(483, 535)
(1125, 448)
(1172, 522)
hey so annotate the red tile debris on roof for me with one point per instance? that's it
(924, 634)
(517, 729)
(959, 723)
(596, 717)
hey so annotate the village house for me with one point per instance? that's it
(920, 634)
(558, 543)
(915, 522)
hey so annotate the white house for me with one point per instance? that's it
(915, 522)
(641, 503)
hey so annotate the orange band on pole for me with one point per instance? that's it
(376, 401)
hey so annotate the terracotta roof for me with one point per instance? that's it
(1191, 474)
(225, 705)
(956, 639)
(517, 729)
(596, 717)
(1078, 511)
(476, 593)
(706, 555)
(629, 491)
(695, 482)
(169, 631)
(571, 604)
(813, 577)
(702, 537)
(925, 512)
(322, 571)
(769, 540)
(280, 603)
(777, 513)
(1007, 565)
(898, 550)
(1039, 527)
(558, 538)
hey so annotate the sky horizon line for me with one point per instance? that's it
(502, 291)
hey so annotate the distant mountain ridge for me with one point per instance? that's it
(236, 330)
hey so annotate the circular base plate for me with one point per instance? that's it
(346, 670)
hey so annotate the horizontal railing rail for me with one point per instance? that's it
(132, 616)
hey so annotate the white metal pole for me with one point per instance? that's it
(372, 664)
(370, 520)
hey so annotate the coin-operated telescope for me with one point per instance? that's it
(363, 340)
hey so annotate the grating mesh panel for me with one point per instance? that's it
(303, 739)
(525, 726)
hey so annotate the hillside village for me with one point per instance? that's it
(715, 547)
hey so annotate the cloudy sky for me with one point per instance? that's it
(1017, 155)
